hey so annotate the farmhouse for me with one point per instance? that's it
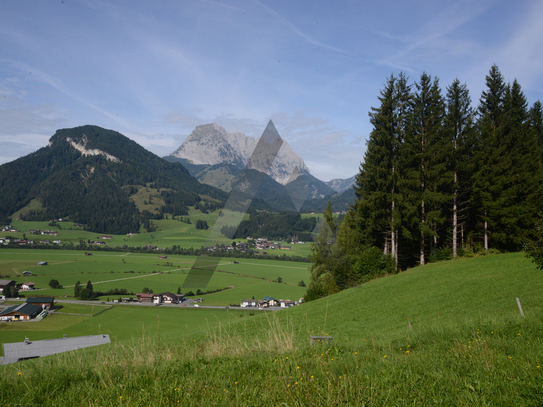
(143, 297)
(42, 263)
(286, 303)
(27, 273)
(43, 302)
(27, 286)
(248, 303)
(20, 312)
(272, 302)
(169, 298)
(149, 298)
(6, 283)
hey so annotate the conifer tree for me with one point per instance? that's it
(489, 147)
(459, 129)
(426, 155)
(536, 124)
(377, 184)
(77, 289)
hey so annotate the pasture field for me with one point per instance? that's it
(134, 271)
(447, 333)
(169, 232)
(121, 322)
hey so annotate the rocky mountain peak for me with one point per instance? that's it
(211, 144)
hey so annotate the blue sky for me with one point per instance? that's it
(153, 70)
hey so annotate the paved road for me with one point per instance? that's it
(189, 303)
(186, 304)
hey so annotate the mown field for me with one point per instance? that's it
(133, 272)
(448, 333)
(169, 232)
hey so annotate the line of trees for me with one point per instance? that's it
(440, 177)
(439, 180)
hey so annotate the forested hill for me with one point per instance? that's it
(88, 174)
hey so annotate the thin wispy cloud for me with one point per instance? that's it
(450, 19)
(298, 31)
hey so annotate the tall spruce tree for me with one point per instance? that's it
(489, 148)
(426, 154)
(459, 121)
(536, 124)
(377, 183)
(520, 180)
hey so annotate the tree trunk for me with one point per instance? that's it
(393, 248)
(455, 221)
(422, 247)
(486, 233)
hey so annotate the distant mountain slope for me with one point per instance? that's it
(210, 144)
(341, 185)
(89, 173)
(340, 202)
(217, 158)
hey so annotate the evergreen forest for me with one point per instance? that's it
(440, 179)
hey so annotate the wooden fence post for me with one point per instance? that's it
(520, 307)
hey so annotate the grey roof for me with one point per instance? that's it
(24, 308)
(39, 299)
(6, 282)
(13, 352)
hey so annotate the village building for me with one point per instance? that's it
(20, 312)
(43, 302)
(6, 283)
(272, 302)
(169, 298)
(149, 298)
(144, 297)
(27, 273)
(27, 286)
(248, 303)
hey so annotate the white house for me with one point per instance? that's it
(27, 286)
(248, 303)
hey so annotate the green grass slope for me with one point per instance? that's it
(468, 346)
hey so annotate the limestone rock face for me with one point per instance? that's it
(341, 185)
(210, 144)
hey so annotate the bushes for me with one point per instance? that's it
(534, 249)
(371, 263)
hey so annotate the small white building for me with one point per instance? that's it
(249, 303)
(27, 286)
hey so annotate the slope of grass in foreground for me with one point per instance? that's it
(468, 346)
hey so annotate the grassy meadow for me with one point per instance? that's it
(447, 333)
(134, 271)
(169, 232)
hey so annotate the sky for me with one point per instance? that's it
(154, 70)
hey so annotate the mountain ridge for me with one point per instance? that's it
(88, 174)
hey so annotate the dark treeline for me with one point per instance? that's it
(273, 226)
(439, 176)
(439, 180)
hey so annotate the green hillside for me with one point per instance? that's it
(467, 345)
(94, 176)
